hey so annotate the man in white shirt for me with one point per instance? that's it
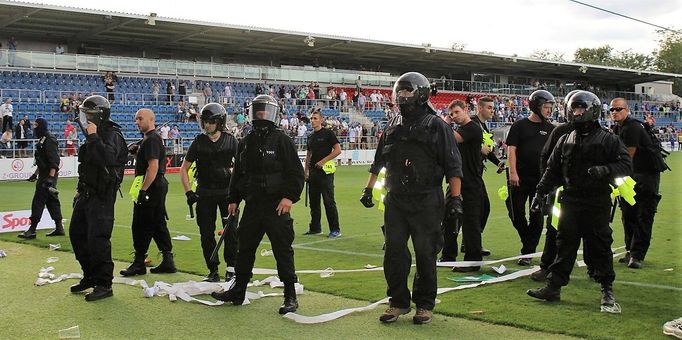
(342, 97)
(352, 134)
(164, 133)
(300, 135)
(6, 113)
(228, 93)
(59, 49)
(284, 123)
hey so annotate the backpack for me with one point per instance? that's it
(655, 150)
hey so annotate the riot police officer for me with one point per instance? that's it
(417, 149)
(549, 250)
(213, 152)
(268, 175)
(102, 160)
(47, 161)
(149, 211)
(524, 144)
(585, 162)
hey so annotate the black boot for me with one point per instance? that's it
(607, 297)
(290, 303)
(212, 276)
(100, 292)
(58, 230)
(540, 275)
(81, 286)
(548, 293)
(235, 294)
(167, 265)
(30, 233)
(137, 267)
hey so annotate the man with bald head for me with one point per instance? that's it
(149, 212)
(637, 219)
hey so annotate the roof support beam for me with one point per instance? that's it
(18, 16)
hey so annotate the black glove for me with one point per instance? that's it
(49, 182)
(538, 201)
(142, 197)
(33, 177)
(192, 197)
(453, 208)
(598, 171)
(366, 198)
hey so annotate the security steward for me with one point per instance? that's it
(46, 194)
(213, 152)
(149, 211)
(417, 149)
(585, 163)
(102, 160)
(549, 250)
(638, 219)
(469, 139)
(268, 175)
(484, 112)
(525, 140)
(319, 168)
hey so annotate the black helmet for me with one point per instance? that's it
(587, 101)
(537, 99)
(411, 88)
(568, 97)
(213, 112)
(95, 109)
(265, 103)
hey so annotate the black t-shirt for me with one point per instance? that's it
(633, 135)
(151, 148)
(528, 137)
(320, 145)
(214, 159)
(470, 149)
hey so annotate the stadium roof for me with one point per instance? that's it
(58, 23)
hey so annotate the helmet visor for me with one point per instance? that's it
(264, 111)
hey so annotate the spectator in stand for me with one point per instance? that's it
(74, 103)
(284, 122)
(208, 93)
(259, 89)
(331, 96)
(228, 92)
(59, 50)
(374, 99)
(342, 98)
(301, 132)
(361, 102)
(155, 92)
(64, 104)
(170, 92)
(164, 130)
(282, 92)
(6, 111)
(21, 135)
(71, 139)
(182, 90)
(352, 138)
(12, 46)
(182, 111)
(240, 119)
(174, 133)
(191, 113)
(6, 142)
(67, 130)
(311, 97)
(358, 85)
(110, 90)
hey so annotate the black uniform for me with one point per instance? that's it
(102, 159)
(485, 210)
(214, 161)
(417, 154)
(267, 169)
(585, 200)
(46, 159)
(549, 251)
(638, 219)
(320, 144)
(528, 137)
(473, 196)
(149, 219)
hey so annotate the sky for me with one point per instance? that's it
(500, 26)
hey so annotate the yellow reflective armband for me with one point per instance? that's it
(329, 167)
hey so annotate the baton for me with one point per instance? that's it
(227, 222)
(509, 190)
(613, 208)
(191, 211)
(306, 193)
